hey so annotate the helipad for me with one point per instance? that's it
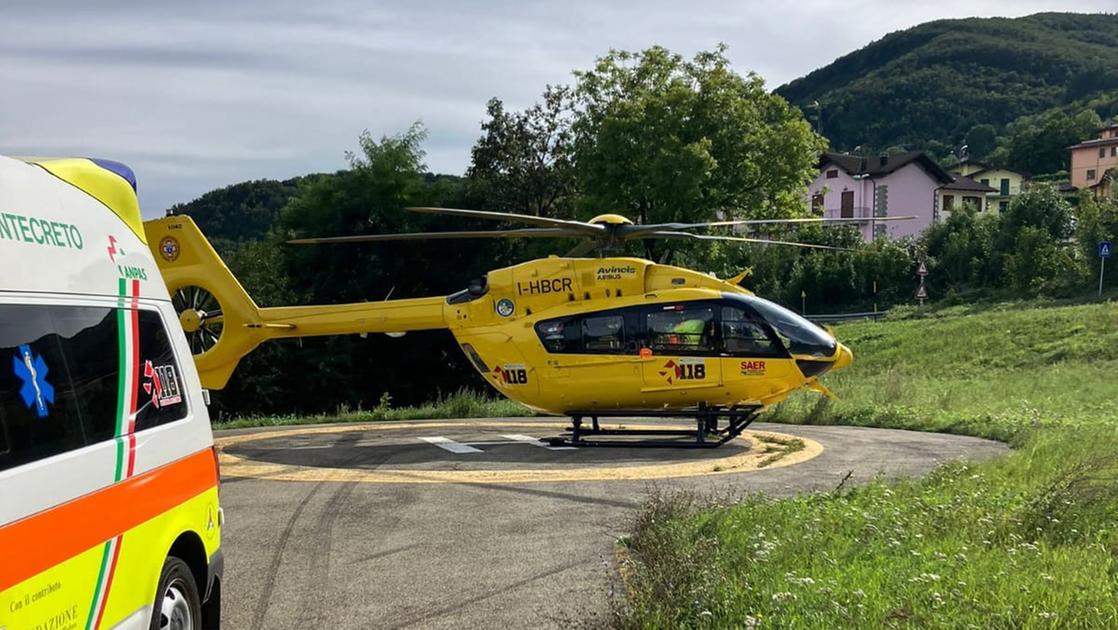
(483, 451)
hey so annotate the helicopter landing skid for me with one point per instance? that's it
(706, 434)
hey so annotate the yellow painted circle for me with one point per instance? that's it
(750, 460)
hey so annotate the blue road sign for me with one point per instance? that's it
(1104, 249)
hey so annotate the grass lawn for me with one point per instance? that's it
(1029, 540)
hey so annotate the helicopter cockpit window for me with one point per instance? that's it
(744, 337)
(603, 333)
(799, 335)
(681, 328)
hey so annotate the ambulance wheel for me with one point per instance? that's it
(177, 604)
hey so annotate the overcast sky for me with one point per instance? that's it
(200, 94)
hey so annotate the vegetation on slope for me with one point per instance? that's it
(927, 86)
(1026, 540)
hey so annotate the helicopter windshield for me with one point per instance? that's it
(800, 335)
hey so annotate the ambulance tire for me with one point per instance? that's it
(177, 603)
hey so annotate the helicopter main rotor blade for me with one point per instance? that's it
(583, 249)
(637, 231)
(737, 239)
(588, 229)
(423, 236)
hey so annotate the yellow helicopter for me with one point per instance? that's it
(575, 336)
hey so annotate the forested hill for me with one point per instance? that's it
(932, 83)
(241, 211)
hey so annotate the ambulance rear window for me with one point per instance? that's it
(161, 398)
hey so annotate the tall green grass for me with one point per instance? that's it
(994, 373)
(1029, 540)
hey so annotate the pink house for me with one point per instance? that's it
(859, 187)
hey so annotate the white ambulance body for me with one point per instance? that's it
(109, 509)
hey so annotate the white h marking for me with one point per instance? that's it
(450, 445)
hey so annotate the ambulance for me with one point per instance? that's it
(109, 513)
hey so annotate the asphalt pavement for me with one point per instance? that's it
(468, 524)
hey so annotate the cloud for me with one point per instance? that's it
(207, 93)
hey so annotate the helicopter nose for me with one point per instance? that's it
(843, 357)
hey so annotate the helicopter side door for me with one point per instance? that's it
(683, 339)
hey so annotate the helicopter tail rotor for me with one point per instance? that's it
(212, 306)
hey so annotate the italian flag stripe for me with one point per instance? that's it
(128, 359)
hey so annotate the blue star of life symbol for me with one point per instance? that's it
(32, 370)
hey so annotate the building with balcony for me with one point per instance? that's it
(870, 187)
(1004, 184)
(1094, 163)
(964, 191)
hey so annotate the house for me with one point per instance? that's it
(860, 187)
(1094, 163)
(964, 191)
(1006, 183)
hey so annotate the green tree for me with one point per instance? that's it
(1038, 144)
(959, 248)
(523, 161)
(321, 374)
(981, 140)
(1036, 261)
(661, 138)
(1042, 207)
(1097, 220)
(1032, 244)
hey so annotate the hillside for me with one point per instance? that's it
(241, 211)
(933, 82)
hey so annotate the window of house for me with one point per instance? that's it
(948, 202)
(1002, 206)
(1004, 187)
(847, 210)
(832, 174)
(1090, 173)
(817, 204)
(1102, 151)
(1113, 151)
(985, 181)
(974, 202)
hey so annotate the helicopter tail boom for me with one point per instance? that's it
(223, 324)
